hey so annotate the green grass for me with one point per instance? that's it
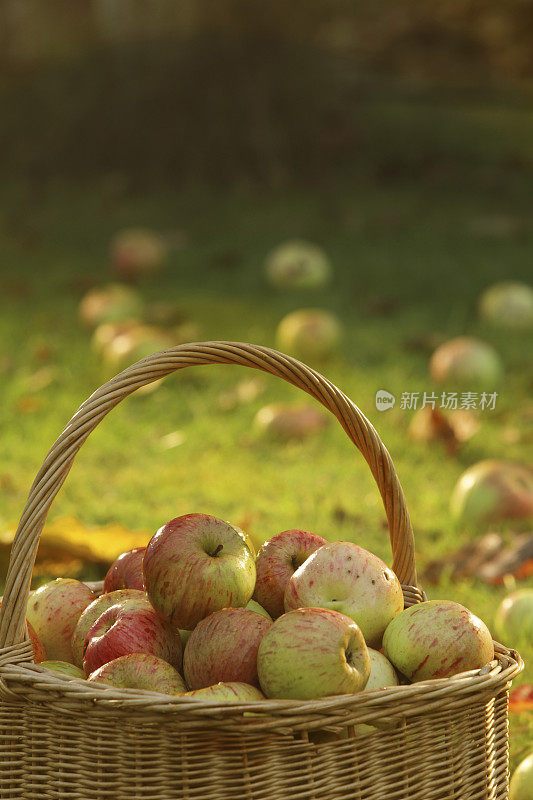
(415, 243)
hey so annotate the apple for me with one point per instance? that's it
(492, 490)
(54, 611)
(437, 639)
(140, 671)
(513, 622)
(107, 331)
(223, 648)
(277, 561)
(112, 303)
(467, 363)
(130, 627)
(197, 564)
(382, 673)
(347, 578)
(508, 304)
(297, 264)
(309, 334)
(91, 614)
(290, 421)
(134, 344)
(64, 668)
(39, 653)
(312, 652)
(230, 692)
(126, 572)
(137, 253)
(521, 786)
(251, 605)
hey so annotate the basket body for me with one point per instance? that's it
(444, 739)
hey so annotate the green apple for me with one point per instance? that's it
(382, 673)
(229, 692)
(197, 564)
(64, 668)
(437, 639)
(513, 622)
(309, 334)
(310, 653)
(467, 363)
(140, 671)
(492, 490)
(54, 611)
(297, 264)
(112, 303)
(508, 304)
(347, 578)
(251, 605)
(521, 786)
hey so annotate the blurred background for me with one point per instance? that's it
(199, 170)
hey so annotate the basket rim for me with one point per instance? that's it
(387, 703)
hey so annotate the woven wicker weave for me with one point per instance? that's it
(435, 740)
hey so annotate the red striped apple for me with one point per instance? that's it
(130, 627)
(347, 578)
(91, 614)
(39, 653)
(54, 611)
(197, 564)
(126, 572)
(231, 692)
(223, 647)
(437, 639)
(278, 560)
(64, 668)
(312, 652)
(140, 671)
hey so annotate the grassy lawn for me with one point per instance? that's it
(409, 257)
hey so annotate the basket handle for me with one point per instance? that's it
(60, 457)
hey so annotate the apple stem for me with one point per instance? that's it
(217, 551)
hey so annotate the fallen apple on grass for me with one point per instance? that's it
(54, 611)
(310, 653)
(230, 692)
(298, 264)
(64, 668)
(508, 305)
(285, 421)
(513, 622)
(521, 786)
(347, 578)
(468, 363)
(197, 564)
(223, 648)
(92, 613)
(140, 671)
(137, 253)
(276, 563)
(437, 639)
(126, 572)
(492, 490)
(129, 627)
(112, 303)
(312, 334)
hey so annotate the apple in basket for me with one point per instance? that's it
(223, 648)
(64, 668)
(310, 653)
(297, 264)
(140, 671)
(437, 639)
(347, 578)
(126, 572)
(277, 561)
(230, 692)
(54, 611)
(130, 627)
(251, 605)
(39, 653)
(382, 673)
(197, 564)
(91, 614)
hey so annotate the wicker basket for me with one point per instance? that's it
(60, 738)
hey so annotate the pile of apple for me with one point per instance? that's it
(194, 614)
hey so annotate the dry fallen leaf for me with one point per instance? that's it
(451, 428)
